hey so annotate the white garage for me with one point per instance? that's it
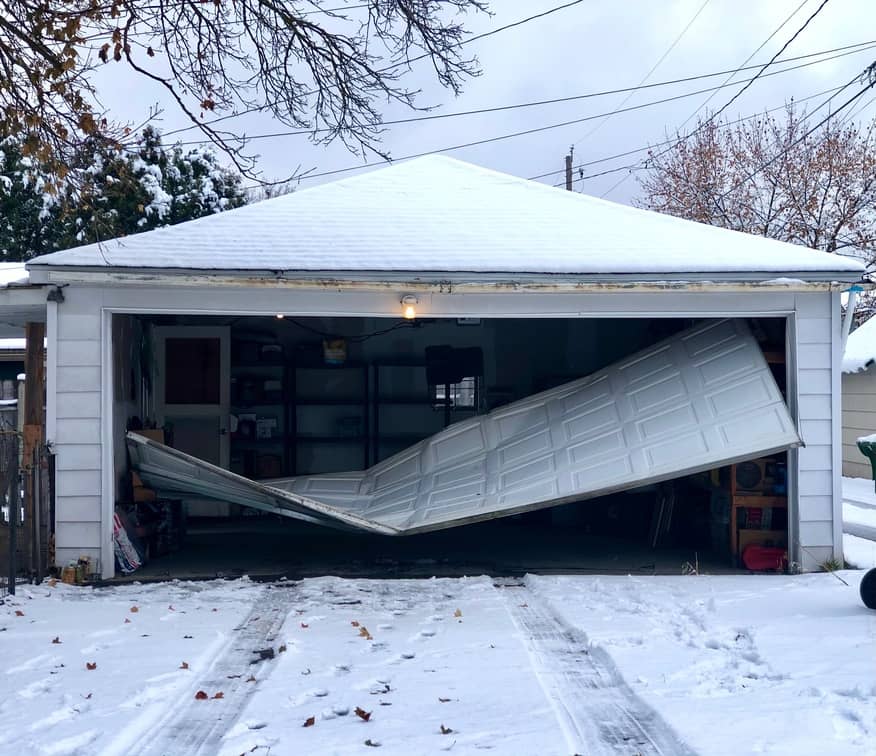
(304, 346)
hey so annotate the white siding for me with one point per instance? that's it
(817, 329)
(859, 419)
(77, 430)
(84, 520)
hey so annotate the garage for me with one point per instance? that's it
(315, 339)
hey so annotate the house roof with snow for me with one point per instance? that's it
(441, 215)
(860, 350)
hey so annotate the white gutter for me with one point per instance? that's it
(850, 316)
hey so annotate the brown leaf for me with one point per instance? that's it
(305, 625)
(135, 609)
(354, 623)
(457, 613)
(184, 665)
(90, 665)
(19, 613)
(127, 621)
(201, 696)
(363, 633)
(52, 582)
(251, 678)
(150, 52)
(56, 639)
(309, 722)
(443, 700)
(282, 649)
(362, 714)
(219, 694)
(445, 730)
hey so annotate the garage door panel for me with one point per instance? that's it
(700, 399)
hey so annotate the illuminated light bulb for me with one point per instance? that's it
(280, 316)
(409, 306)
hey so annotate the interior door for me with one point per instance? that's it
(193, 396)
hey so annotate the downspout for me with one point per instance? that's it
(850, 316)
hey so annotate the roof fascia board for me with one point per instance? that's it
(459, 282)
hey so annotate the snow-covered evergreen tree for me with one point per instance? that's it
(118, 193)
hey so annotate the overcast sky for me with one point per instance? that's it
(592, 46)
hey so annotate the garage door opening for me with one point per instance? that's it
(281, 397)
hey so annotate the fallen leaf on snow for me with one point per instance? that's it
(52, 582)
(87, 697)
(304, 625)
(19, 613)
(201, 696)
(282, 649)
(457, 613)
(309, 722)
(135, 609)
(445, 730)
(251, 678)
(56, 639)
(220, 694)
(362, 714)
(127, 621)
(372, 743)
(443, 700)
(171, 608)
(363, 633)
(354, 623)
(188, 637)
(90, 665)
(184, 665)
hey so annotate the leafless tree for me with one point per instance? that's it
(764, 176)
(317, 65)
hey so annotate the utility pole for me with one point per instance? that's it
(569, 168)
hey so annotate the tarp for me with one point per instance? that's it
(701, 399)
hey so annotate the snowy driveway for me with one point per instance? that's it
(549, 665)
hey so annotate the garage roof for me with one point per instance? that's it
(437, 214)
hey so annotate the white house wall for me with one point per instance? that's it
(84, 384)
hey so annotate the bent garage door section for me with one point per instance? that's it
(700, 399)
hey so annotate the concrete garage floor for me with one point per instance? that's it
(272, 547)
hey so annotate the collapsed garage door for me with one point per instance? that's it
(700, 399)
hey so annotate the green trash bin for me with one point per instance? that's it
(867, 445)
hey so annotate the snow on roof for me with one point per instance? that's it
(439, 214)
(13, 274)
(860, 347)
(13, 345)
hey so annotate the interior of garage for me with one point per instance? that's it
(313, 395)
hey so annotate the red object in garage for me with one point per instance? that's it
(756, 557)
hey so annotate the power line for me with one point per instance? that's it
(759, 74)
(647, 76)
(806, 134)
(855, 49)
(673, 141)
(407, 61)
(771, 60)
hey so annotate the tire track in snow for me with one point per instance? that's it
(197, 727)
(597, 710)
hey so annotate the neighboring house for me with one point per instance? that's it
(859, 397)
(210, 328)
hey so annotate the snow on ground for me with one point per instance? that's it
(138, 637)
(724, 664)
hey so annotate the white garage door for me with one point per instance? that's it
(701, 399)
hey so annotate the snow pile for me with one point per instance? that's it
(13, 274)
(860, 347)
(859, 522)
